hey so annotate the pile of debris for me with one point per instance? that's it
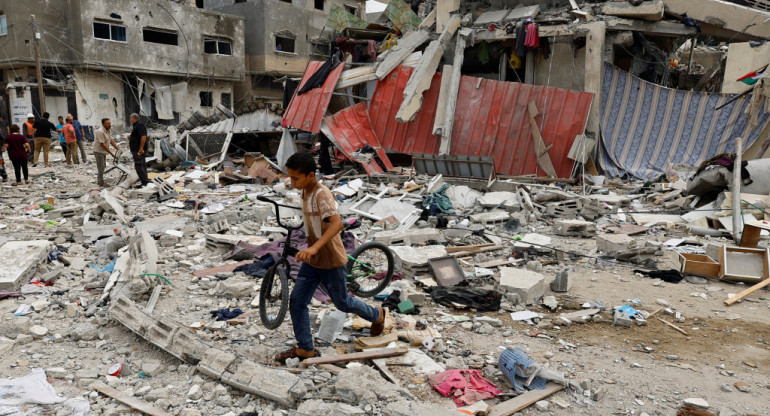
(147, 298)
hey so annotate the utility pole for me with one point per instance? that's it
(36, 36)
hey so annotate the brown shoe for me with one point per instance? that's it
(379, 325)
(296, 352)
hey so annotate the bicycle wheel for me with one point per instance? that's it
(274, 296)
(370, 269)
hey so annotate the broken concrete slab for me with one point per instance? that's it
(19, 260)
(403, 48)
(409, 237)
(501, 199)
(365, 385)
(647, 10)
(538, 241)
(409, 408)
(419, 82)
(491, 217)
(614, 243)
(523, 12)
(529, 285)
(574, 228)
(110, 203)
(417, 256)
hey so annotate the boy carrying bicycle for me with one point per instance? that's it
(323, 261)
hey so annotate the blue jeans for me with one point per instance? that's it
(335, 282)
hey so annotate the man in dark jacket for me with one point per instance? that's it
(137, 142)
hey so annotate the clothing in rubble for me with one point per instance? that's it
(727, 160)
(532, 41)
(394, 299)
(370, 150)
(689, 21)
(319, 77)
(324, 158)
(669, 276)
(480, 299)
(225, 314)
(288, 91)
(465, 386)
(521, 38)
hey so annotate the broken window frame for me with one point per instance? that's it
(207, 99)
(3, 24)
(161, 32)
(322, 4)
(351, 9)
(112, 30)
(218, 42)
(320, 48)
(226, 99)
(288, 36)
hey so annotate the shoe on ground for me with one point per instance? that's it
(296, 352)
(379, 325)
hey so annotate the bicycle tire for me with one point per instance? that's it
(384, 282)
(277, 273)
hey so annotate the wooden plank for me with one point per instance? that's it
(523, 401)
(747, 292)
(544, 160)
(467, 248)
(403, 48)
(494, 263)
(330, 367)
(365, 355)
(382, 365)
(574, 5)
(477, 251)
(127, 400)
(674, 326)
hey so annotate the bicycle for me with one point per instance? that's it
(369, 271)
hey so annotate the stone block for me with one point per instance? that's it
(564, 208)
(622, 319)
(529, 285)
(19, 260)
(574, 228)
(647, 10)
(416, 256)
(614, 243)
(562, 282)
(275, 384)
(496, 216)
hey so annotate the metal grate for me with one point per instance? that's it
(760, 4)
(206, 144)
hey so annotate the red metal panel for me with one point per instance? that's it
(415, 136)
(491, 120)
(306, 111)
(352, 131)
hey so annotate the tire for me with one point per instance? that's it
(363, 285)
(274, 296)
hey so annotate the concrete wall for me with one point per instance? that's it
(566, 70)
(742, 59)
(99, 95)
(18, 43)
(19, 106)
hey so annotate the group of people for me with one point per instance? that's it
(24, 144)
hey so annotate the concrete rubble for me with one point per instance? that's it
(625, 296)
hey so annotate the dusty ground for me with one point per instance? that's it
(725, 344)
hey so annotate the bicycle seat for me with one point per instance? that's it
(351, 224)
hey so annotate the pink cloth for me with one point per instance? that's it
(372, 49)
(532, 40)
(465, 386)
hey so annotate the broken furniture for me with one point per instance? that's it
(741, 264)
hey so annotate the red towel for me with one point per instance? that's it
(532, 41)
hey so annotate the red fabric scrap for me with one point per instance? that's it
(465, 386)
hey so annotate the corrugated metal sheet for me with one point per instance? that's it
(490, 120)
(260, 121)
(306, 111)
(415, 136)
(351, 130)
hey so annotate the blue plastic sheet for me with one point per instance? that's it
(628, 310)
(109, 267)
(515, 357)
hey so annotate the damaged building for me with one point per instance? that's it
(163, 60)
(283, 36)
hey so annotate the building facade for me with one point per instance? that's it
(101, 58)
(282, 36)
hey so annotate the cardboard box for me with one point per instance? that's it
(740, 264)
(698, 264)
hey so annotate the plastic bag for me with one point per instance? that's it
(30, 389)
(287, 148)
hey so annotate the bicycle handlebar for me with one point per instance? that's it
(278, 212)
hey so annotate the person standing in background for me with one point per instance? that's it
(137, 142)
(62, 142)
(102, 142)
(44, 130)
(81, 136)
(72, 141)
(3, 133)
(29, 133)
(18, 150)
